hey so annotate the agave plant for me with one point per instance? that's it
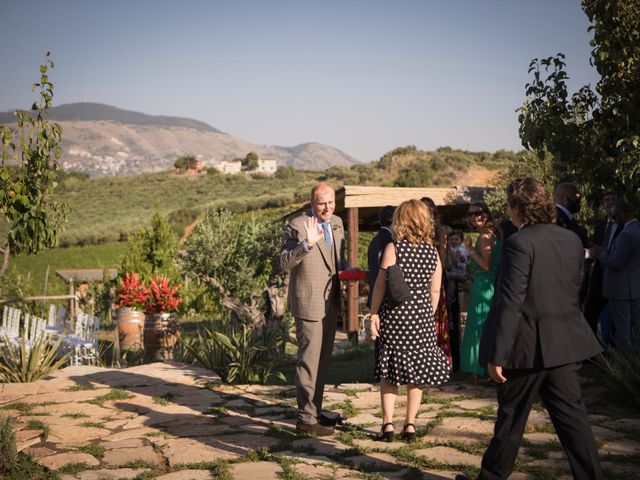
(28, 362)
(248, 354)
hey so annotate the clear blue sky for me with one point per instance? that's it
(364, 76)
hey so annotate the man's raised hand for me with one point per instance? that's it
(314, 231)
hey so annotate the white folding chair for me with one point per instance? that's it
(83, 343)
(55, 320)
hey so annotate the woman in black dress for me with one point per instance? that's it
(409, 352)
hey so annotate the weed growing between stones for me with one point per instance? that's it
(75, 468)
(75, 415)
(95, 450)
(80, 387)
(114, 394)
(39, 425)
(348, 409)
(91, 424)
(164, 399)
(26, 467)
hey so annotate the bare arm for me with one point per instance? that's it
(380, 287)
(435, 285)
(482, 256)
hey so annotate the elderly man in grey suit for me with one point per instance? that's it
(313, 253)
(621, 281)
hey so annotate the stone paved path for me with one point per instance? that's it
(176, 422)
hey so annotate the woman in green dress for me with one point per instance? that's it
(483, 259)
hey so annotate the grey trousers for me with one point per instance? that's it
(625, 315)
(315, 343)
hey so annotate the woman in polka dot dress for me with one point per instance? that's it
(409, 353)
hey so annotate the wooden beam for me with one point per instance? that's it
(352, 287)
(358, 196)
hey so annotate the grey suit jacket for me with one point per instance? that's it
(314, 288)
(622, 264)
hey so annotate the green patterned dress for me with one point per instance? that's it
(477, 311)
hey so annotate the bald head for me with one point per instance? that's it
(568, 195)
(323, 201)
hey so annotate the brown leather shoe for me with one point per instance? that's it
(315, 429)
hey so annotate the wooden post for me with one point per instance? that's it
(72, 300)
(352, 288)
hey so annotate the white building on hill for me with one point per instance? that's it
(268, 167)
(228, 167)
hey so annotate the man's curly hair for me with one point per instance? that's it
(532, 201)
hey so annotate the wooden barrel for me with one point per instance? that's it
(130, 328)
(160, 336)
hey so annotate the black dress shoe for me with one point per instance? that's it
(313, 429)
(329, 419)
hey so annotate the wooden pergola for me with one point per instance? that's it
(358, 207)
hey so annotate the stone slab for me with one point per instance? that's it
(104, 474)
(183, 451)
(375, 460)
(540, 438)
(59, 460)
(321, 446)
(462, 429)
(186, 475)
(256, 471)
(449, 456)
(119, 457)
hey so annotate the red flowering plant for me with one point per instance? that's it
(131, 292)
(163, 297)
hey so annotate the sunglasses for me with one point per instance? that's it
(475, 213)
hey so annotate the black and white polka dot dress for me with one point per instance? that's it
(409, 353)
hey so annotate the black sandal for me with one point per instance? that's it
(385, 436)
(408, 436)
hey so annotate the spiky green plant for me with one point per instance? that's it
(28, 362)
(248, 354)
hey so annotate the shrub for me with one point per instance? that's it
(623, 372)
(22, 363)
(247, 354)
(8, 448)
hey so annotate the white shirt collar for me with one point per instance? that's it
(567, 212)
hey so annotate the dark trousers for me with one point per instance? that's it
(559, 389)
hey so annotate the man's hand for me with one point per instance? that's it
(495, 372)
(375, 326)
(314, 231)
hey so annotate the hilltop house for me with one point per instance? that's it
(228, 167)
(267, 167)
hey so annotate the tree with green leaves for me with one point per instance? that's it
(28, 177)
(593, 138)
(250, 162)
(152, 251)
(238, 260)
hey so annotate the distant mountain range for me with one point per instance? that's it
(102, 140)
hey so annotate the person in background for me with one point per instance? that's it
(409, 353)
(621, 280)
(483, 258)
(377, 245)
(313, 253)
(605, 231)
(535, 336)
(457, 287)
(443, 324)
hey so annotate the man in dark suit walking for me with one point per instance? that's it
(535, 335)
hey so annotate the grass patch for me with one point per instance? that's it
(541, 450)
(75, 468)
(95, 450)
(75, 415)
(164, 399)
(91, 424)
(114, 394)
(347, 407)
(80, 387)
(140, 464)
(39, 425)
(22, 407)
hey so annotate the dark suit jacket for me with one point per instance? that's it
(595, 285)
(535, 320)
(374, 254)
(565, 222)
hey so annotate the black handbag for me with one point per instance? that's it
(397, 289)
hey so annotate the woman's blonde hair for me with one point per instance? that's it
(412, 220)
